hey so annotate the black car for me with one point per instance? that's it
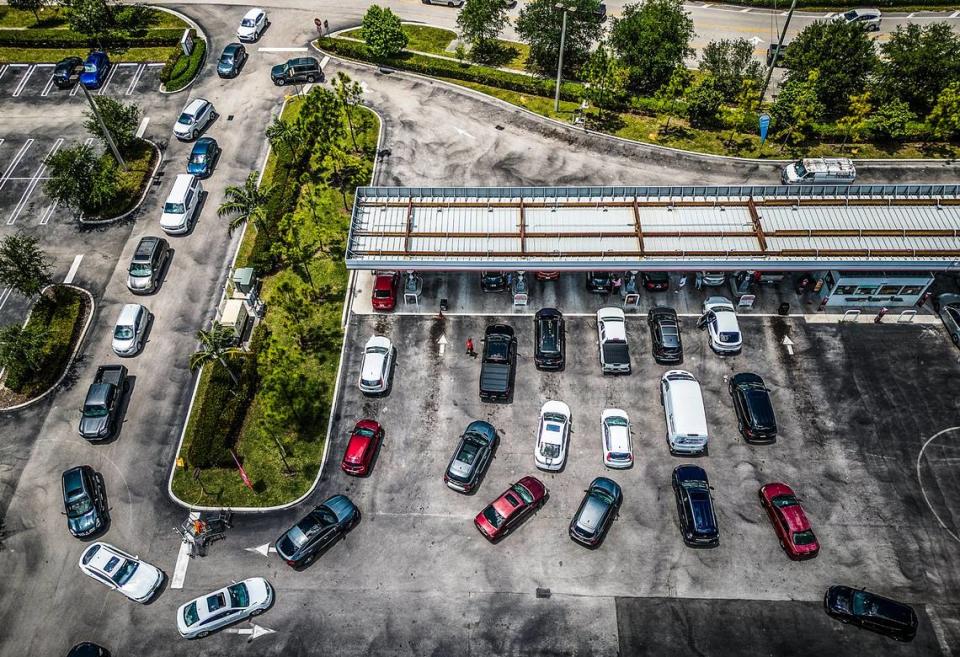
(318, 530)
(498, 363)
(550, 340)
(67, 72)
(751, 400)
(771, 49)
(100, 412)
(665, 335)
(698, 522)
(299, 70)
(655, 281)
(472, 457)
(84, 501)
(87, 649)
(599, 282)
(597, 512)
(493, 281)
(232, 59)
(871, 611)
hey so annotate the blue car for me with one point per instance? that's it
(95, 70)
(203, 156)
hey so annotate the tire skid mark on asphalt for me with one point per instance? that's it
(924, 490)
(16, 160)
(34, 181)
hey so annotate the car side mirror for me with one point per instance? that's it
(63, 513)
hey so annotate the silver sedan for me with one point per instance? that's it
(948, 305)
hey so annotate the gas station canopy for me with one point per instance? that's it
(773, 227)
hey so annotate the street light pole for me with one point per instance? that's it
(103, 126)
(563, 40)
(777, 50)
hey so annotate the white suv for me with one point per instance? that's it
(196, 115)
(376, 365)
(868, 18)
(253, 23)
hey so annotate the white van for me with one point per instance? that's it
(819, 171)
(683, 409)
(181, 204)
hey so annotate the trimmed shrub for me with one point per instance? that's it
(166, 73)
(47, 38)
(184, 69)
(220, 410)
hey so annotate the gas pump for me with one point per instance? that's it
(740, 283)
(630, 291)
(519, 288)
(412, 288)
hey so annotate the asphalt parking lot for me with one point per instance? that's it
(35, 81)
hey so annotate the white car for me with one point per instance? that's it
(203, 615)
(121, 571)
(553, 436)
(376, 365)
(253, 23)
(129, 331)
(617, 446)
(720, 319)
(868, 18)
(196, 115)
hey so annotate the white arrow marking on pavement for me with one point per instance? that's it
(264, 549)
(443, 344)
(253, 632)
(183, 558)
(463, 132)
(756, 41)
(142, 128)
(788, 343)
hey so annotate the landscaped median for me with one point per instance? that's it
(274, 418)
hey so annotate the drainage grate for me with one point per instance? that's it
(543, 593)
(229, 117)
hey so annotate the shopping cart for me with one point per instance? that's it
(200, 531)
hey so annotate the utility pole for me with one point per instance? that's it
(563, 40)
(103, 126)
(776, 51)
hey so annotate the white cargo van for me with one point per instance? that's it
(683, 409)
(819, 171)
(181, 204)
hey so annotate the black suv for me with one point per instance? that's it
(493, 281)
(665, 335)
(698, 522)
(84, 501)
(871, 611)
(597, 512)
(301, 69)
(472, 457)
(599, 282)
(751, 400)
(550, 340)
(146, 266)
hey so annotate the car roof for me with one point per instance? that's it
(196, 105)
(129, 312)
(204, 143)
(98, 393)
(73, 479)
(690, 472)
(146, 246)
(103, 556)
(96, 56)
(233, 47)
(253, 13)
(299, 61)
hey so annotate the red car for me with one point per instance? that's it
(364, 440)
(547, 275)
(789, 521)
(510, 509)
(385, 286)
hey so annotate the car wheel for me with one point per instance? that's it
(203, 634)
(257, 612)
(956, 339)
(311, 78)
(193, 135)
(278, 82)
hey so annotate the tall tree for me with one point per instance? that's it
(29, 5)
(246, 203)
(121, 120)
(539, 26)
(669, 94)
(703, 107)
(480, 23)
(652, 38)
(24, 266)
(842, 53)
(93, 18)
(891, 120)
(383, 32)
(81, 181)
(347, 173)
(797, 108)
(350, 94)
(284, 134)
(606, 78)
(215, 345)
(917, 63)
(730, 62)
(944, 119)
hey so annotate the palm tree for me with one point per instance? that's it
(283, 133)
(214, 345)
(245, 203)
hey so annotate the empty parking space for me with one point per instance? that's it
(23, 172)
(35, 81)
(854, 405)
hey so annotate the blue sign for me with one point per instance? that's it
(764, 125)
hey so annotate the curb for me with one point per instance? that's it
(73, 355)
(653, 147)
(143, 196)
(200, 34)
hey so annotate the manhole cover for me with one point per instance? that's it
(543, 593)
(229, 117)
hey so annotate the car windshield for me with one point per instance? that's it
(524, 494)
(468, 453)
(376, 350)
(123, 332)
(226, 58)
(94, 410)
(123, 574)
(492, 516)
(616, 421)
(139, 269)
(366, 433)
(190, 615)
(497, 351)
(783, 501)
(90, 68)
(603, 495)
(850, 15)
(692, 484)
(804, 538)
(550, 450)
(239, 596)
(729, 337)
(173, 208)
(381, 294)
(79, 507)
(185, 119)
(198, 158)
(248, 22)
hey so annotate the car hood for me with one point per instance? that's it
(277, 71)
(83, 524)
(122, 345)
(342, 507)
(172, 220)
(143, 581)
(259, 590)
(93, 426)
(139, 282)
(243, 30)
(356, 448)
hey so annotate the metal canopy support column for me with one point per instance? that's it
(757, 226)
(638, 226)
(409, 226)
(523, 229)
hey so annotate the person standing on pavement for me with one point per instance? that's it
(698, 280)
(683, 281)
(470, 351)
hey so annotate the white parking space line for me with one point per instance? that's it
(47, 87)
(4, 295)
(954, 14)
(282, 49)
(76, 88)
(155, 65)
(73, 269)
(34, 181)
(136, 78)
(48, 212)
(144, 122)
(106, 83)
(183, 560)
(23, 81)
(323, 62)
(910, 15)
(16, 160)
(3, 70)
(745, 10)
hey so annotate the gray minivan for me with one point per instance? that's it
(146, 266)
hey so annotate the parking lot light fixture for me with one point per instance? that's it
(103, 126)
(563, 40)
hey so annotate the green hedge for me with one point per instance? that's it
(41, 38)
(436, 67)
(846, 4)
(220, 410)
(183, 69)
(62, 313)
